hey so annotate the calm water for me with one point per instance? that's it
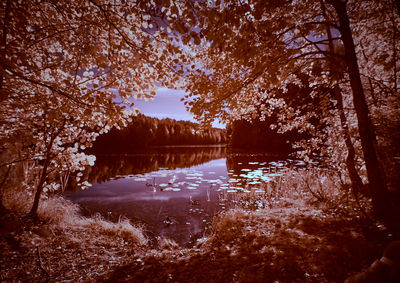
(173, 192)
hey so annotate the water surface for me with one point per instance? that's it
(172, 192)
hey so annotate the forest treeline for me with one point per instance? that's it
(264, 133)
(146, 131)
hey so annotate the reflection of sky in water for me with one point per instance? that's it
(176, 203)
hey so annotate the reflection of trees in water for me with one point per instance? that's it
(107, 167)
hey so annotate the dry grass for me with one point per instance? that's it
(64, 246)
(302, 188)
(302, 227)
(65, 216)
(18, 201)
(289, 244)
(168, 244)
(285, 244)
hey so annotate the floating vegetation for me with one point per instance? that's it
(277, 164)
(266, 178)
(158, 174)
(191, 177)
(215, 181)
(195, 174)
(169, 189)
(172, 180)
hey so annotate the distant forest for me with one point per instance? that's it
(146, 131)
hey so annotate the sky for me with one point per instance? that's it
(167, 104)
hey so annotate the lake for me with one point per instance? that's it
(173, 192)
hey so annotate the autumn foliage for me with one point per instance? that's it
(69, 71)
(251, 52)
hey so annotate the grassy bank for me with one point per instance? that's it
(301, 227)
(63, 245)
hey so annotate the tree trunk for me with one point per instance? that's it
(355, 179)
(33, 212)
(368, 139)
(377, 186)
(3, 51)
(39, 189)
(43, 176)
(394, 49)
(2, 208)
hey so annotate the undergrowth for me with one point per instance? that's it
(65, 216)
(319, 188)
(300, 227)
(63, 245)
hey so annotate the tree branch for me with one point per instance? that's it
(142, 52)
(14, 161)
(50, 87)
(322, 23)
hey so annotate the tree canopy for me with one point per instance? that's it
(250, 49)
(328, 68)
(67, 72)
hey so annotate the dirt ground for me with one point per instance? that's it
(285, 244)
(302, 249)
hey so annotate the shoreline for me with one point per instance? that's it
(278, 242)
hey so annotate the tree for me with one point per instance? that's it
(145, 131)
(67, 71)
(261, 45)
(378, 47)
